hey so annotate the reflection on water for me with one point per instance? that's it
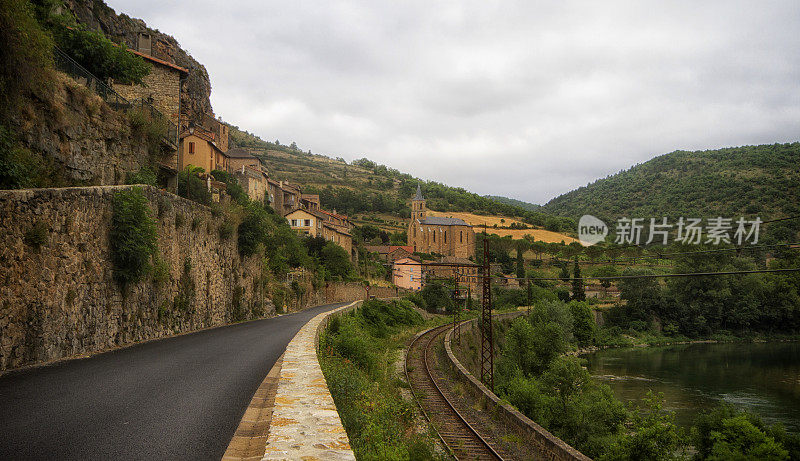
(760, 377)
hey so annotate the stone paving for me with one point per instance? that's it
(305, 424)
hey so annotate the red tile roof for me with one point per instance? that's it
(160, 61)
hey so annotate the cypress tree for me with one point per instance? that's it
(578, 293)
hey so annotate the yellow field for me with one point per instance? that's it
(477, 221)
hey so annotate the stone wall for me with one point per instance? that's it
(60, 299)
(162, 85)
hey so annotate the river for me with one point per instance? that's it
(763, 378)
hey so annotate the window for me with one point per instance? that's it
(445, 236)
(461, 237)
(434, 236)
(307, 222)
(191, 148)
(294, 222)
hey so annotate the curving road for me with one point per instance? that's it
(175, 398)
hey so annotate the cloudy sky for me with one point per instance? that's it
(526, 99)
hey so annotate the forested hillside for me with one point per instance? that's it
(751, 181)
(363, 186)
(515, 202)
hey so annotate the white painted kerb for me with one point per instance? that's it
(305, 423)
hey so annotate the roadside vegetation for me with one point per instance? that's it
(358, 353)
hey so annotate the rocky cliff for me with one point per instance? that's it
(121, 28)
(79, 137)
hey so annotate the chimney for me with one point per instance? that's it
(144, 44)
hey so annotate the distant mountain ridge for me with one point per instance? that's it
(514, 202)
(747, 181)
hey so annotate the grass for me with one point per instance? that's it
(358, 355)
(477, 221)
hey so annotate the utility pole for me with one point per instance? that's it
(487, 344)
(456, 305)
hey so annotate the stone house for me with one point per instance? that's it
(433, 234)
(162, 87)
(407, 273)
(253, 180)
(310, 201)
(316, 223)
(391, 253)
(240, 157)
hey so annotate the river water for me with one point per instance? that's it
(763, 378)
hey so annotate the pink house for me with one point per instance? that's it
(407, 273)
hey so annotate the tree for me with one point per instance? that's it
(564, 274)
(606, 271)
(336, 261)
(520, 260)
(578, 293)
(583, 326)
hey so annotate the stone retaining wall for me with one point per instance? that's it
(305, 423)
(546, 444)
(60, 300)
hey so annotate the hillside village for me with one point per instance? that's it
(133, 215)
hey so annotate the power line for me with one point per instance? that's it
(692, 274)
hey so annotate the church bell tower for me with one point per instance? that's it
(418, 206)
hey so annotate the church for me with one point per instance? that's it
(434, 234)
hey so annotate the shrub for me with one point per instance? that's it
(144, 176)
(225, 230)
(437, 298)
(133, 237)
(26, 57)
(100, 56)
(253, 229)
(418, 300)
(232, 186)
(192, 187)
(36, 236)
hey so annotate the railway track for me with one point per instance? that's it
(464, 441)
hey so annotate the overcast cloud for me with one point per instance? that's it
(525, 99)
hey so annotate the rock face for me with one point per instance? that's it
(88, 142)
(59, 299)
(96, 15)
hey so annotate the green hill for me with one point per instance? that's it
(365, 187)
(740, 181)
(512, 201)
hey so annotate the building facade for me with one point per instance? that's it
(198, 147)
(433, 234)
(407, 273)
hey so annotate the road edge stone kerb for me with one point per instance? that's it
(305, 423)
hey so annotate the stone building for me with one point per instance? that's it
(162, 87)
(433, 234)
(253, 180)
(198, 147)
(240, 157)
(317, 223)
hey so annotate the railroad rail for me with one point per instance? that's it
(460, 437)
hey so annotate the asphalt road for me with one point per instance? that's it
(175, 398)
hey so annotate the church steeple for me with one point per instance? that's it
(418, 205)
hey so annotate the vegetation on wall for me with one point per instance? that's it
(133, 237)
(26, 59)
